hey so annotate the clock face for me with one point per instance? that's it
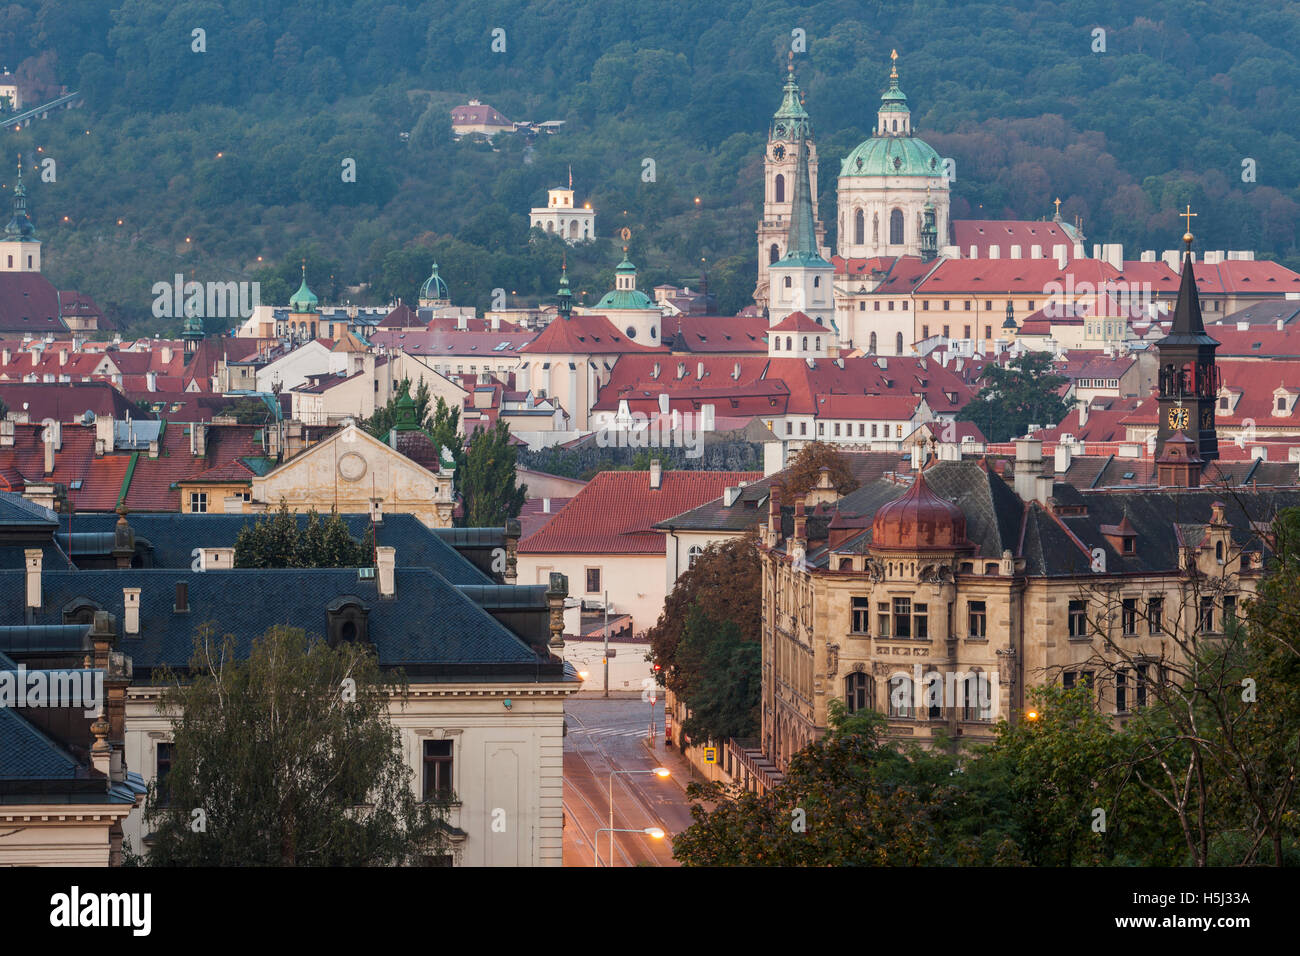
(1177, 418)
(778, 152)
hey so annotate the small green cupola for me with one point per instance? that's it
(303, 301)
(565, 295)
(20, 227)
(434, 290)
(791, 121)
(192, 333)
(404, 412)
(894, 117)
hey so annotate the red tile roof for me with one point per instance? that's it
(1027, 278)
(29, 303)
(983, 233)
(798, 322)
(738, 335)
(617, 510)
(584, 335)
(101, 478)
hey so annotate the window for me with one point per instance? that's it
(976, 615)
(789, 428)
(902, 617)
(1078, 619)
(945, 331)
(898, 344)
(882, 619)
(945, 305)
(787, 282)
(1218, 551)
(1155, 615)
(872, 347)
(837, 429)
(162, 767)
(874, 426)
(966, 306)
(859, 227)
(988, 331)
(1121, 692)
(1129, 616)
(693, 554)
(593, 580)
(862, 430)
(891, 305)
(896, 227)
(1072, 679)
(1223, 404)
(921, 622)
(898, 431)
(780, 188)
(437, 768)
(876, 305)
(925, 305)
(862, 305)
(965, 331)
(1207, 614)
(925, 331)
(858, 693)
(199, 502)
(977, 697)
(1281, 403)
(1229, 610)
(861, 615)
(1140, 683)
(900, 696)
(803, 428)
(773, 254)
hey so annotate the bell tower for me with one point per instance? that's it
(1189, 377)
(791, 124)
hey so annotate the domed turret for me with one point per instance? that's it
(919, 521)
(20, 227)
(434, 290)
(303, 301)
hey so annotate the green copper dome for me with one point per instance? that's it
(434, 287)
(20, 227)
(303, 300)
(893, 156)
(621, 299)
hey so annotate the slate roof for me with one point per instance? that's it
(27, 754)
(430, 629)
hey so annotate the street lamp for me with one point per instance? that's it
(656, 832)
(658, 772)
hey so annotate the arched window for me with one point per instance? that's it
(773, 254)
(817, 282)
(895, 126)
(780, 188)
(819, 343)
(875, 227)
(787, 282)
(900, 696)
(788, 346)
(898, 344)
(858, 692)
(977, 697)
(896, 227)
(693, 554)
(805, 343)
(872, 347)
(859, 227)
(1218, 551)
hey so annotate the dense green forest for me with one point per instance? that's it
(227, 162)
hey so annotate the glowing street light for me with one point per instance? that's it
(660, 772)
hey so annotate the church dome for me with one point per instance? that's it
(893, 156)
(625, 295)
(303, 300)
(434, 287)
(919, 521)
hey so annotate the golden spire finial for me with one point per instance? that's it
(1058, 206)
(1188, 215)
(893, 68)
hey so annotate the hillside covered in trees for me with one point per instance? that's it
(227, 162)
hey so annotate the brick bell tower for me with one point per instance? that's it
(1189, 377)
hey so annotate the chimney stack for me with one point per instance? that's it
(198, 439)
(131, 615)
(34, 559)
(1029, 465)
(386, 571)
(656, 475)
(103, 435)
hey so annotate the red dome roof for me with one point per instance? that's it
(919, 521)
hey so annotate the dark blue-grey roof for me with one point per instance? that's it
(17, 511)
(173, 538)
(27, 754)
(429, 628)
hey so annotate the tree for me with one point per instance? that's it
(803, 474)
(287, 758)
(487, 479)
(726, 575)
(279, 540)
(1013, 397)
(721, 678)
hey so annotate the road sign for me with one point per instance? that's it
(710, 754)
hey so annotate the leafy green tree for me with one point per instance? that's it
(1013, 397)
(803, 474)
(721, 678)
(487, 479)
(278, 540)
(287, 757)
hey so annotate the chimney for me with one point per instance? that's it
(1029, 465)
(729, 496)
(34, 558)
(151, 381)
(167, 355)
(103, 435)
(217, 559)
(47, 433)
(461, 323)
(1043, 488)
(800, 537)
(131, 613)
(1061, 253)
(198, 439)
(63, 357)
(774, 515)
(546, 506)
(386, 570)
(377, 510)
(656, 475)
(6, 354)
(1085, 409)
(1062, 459)
(36, 356)
(182, 605)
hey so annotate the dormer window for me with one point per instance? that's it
(347, 621)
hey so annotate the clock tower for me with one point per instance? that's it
(1189, 378)
(790, 125)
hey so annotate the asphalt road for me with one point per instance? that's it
(605, 735)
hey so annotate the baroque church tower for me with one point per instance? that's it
(801, 280)
(886, 184)
(790, 125)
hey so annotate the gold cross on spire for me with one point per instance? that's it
(1189, 215)
(1058, 206)
(893, 69)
